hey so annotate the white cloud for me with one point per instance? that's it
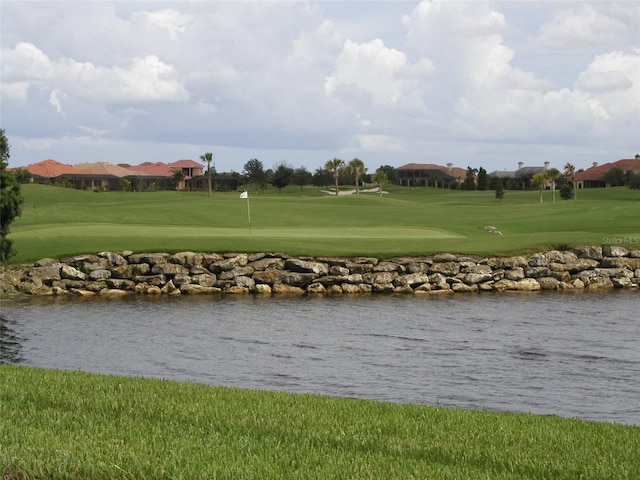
(370, 67)
(145, 79)
(170, 19)
(55, 99)
(587, 27)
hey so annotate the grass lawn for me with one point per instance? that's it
(73, 425)
(407, 221)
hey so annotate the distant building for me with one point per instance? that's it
(521, 172)
(429, 174)
(147, 176)
(593, 177)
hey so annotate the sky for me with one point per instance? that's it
(474, 83)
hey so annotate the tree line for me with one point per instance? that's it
(334, 173)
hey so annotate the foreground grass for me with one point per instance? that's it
(408, 221)
(74, 425)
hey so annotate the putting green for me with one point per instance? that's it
(106, 230)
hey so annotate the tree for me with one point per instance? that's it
(469, 180)
(335, 167)
(566, 191)
(22, 175)
(379, 178)
(539, 180)
(282, 176)
(10, 199)
(208, 157)
(392, 175)
(254, 171)
(553, 175)
(356, 168)
(499, 191)
(177, 178)
(302, 177)
(321, 178)
(483, 181)
(634, 182)
(614, 177)
(570, 173)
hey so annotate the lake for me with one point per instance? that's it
(566, 354)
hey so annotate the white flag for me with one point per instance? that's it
(244, 194)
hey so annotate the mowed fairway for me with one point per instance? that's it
(57, 222)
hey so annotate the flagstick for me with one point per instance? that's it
(249, 214)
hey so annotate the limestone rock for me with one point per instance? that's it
(528, 284)
(71, 273)
(303, 266)
(614, 251)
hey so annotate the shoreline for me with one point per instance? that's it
(591, 267)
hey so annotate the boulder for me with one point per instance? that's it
(100, 274)
(113, 258)
(150, 258)
(538, 260)
(304, 266)
(316, 288)
(528, 284)
(449, 269)
(169, 269)
(284, 289)
(549, 283)
(593, 252)
(267, 263)
(460, 287)
(262, 289)
(614, 251)
(516, 273)
(71, 273)
(411, 279)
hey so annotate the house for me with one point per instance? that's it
(50, 171)
(157, 176)
(427, 174)
(103, 176)
(593, 177)
(521, 172)
(220, 182)
(520, 178)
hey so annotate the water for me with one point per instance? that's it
(572, 355)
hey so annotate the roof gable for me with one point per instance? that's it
(106, 168)
(51, 169)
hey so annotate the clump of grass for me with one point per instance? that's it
(74, 425)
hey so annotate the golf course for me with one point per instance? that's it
(75, 425)
(403, 221)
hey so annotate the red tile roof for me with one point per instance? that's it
(597, 172)
(186, 164)
(158, 169)
(51, 169)
(106, 168)
(454, 171)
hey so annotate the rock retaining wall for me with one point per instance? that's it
(110, 273)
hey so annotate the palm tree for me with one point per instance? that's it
(334, 167)
(570, 172)
(379, 178)
(356, 168)
(208, 157)
(553, 175)
(539, 180)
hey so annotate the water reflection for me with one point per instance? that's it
(10, 341)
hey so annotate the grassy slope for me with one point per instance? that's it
(74, 425)
(57, 222)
